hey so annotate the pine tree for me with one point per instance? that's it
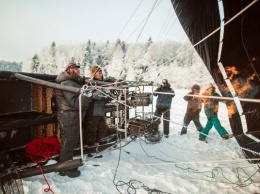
(53, 66)
(148, 43)
(117, 65)
(99, 58)
(35, 63)
(106, 54)
(41, 68)
(10, 66)
(89, 57)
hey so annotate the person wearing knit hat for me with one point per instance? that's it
(68, 114)
(211, 106)
(193, 109)
(95, 122)
(71, 65)
(96, 73)
(163, 104)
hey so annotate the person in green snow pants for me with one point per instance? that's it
(211, 106)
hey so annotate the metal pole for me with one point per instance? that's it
(60, 166)
(80, 127)
(47, 83)
(125, 115)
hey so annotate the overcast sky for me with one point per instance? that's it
(27, 26)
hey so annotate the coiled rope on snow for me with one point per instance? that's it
(42, 149)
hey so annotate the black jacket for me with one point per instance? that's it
(164, 100)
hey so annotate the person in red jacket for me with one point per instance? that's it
(193, 109)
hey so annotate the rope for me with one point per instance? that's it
(42, 149)
(214, 97)
(140, 23)
(209, 35)
(153, 7)
(130, 18)
(247, 54)
(132, 185)
(212, 173)
(123, 30)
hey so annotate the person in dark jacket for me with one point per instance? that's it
(211, 106)
(68, 114)
(193, 109)
(95, 121)
(163, 104)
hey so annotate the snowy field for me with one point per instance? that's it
(179, 164)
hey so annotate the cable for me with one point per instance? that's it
(153, 7)
(247, 54)
(140, 23)
(214, 97)
(213, 32)
(164, 23)
(132, 185)
(212, 173)
(130, 18)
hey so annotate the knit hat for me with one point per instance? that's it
(196, 87)
(209, 86)
(165, 81)
(93, 70)
(69, 65)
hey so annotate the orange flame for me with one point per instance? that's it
(231, 109)
(231, 71)
(241, 86)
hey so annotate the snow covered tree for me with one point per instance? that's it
(35, 63)
(148, 43)
(116, 66)
(150, 61)
(41, 68)
(52, 68)
(106, 54)
(88, 53)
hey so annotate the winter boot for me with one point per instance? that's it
(227, 136)
(91, 155)
(183, 132)
(70, 173)
(204, 140)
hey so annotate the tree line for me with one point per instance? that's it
(149, 61)
(10, 66)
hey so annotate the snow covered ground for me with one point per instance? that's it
(179, 164)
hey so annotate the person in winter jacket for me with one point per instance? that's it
(211, 106)
(193, 109)
(163, 104)
(95, 121)
(68, 114)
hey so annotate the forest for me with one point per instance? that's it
(150, 61)
(10, 66)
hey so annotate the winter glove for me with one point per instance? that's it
(102, 98)
(110, 79)
(95, 93)
(159, 88)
